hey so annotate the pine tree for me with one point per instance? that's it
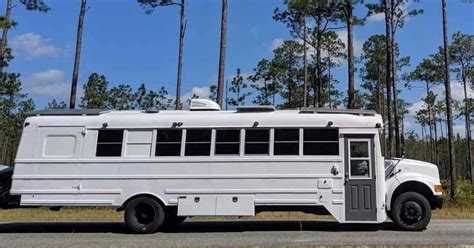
(462, 56)
(56, 105)
(238, 86)
(96, 95)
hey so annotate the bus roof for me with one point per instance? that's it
(248, 117)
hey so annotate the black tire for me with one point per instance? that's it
(411, 211)
(172, 218)
(144, 215)
(390, 215)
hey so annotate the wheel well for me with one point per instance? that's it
(413, 186)
(124, 205)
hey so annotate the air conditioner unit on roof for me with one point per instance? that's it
(204, 105)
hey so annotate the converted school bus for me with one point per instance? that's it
(163, 166)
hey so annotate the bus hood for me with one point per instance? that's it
(401, 165)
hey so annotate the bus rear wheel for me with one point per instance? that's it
(411, 211)
(144, 215)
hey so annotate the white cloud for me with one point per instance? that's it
(377, 17)
(49, 83)
(201, 92)
(34, 46)
(276, 43)
(415, 107)
(342, 34)
(457, 91)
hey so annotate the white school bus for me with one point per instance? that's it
(163, 166)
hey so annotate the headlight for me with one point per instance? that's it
(438, 188)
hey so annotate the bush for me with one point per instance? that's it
(464, 190)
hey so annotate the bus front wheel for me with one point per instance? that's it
(144, 215)
(411, 211)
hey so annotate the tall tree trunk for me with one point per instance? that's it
(449, 102)
(468, 127)
(436, 156)
(220, 79)
(394, 85)
(329, 81)
(424, 141)
(3, 44)
(351, 101)
(430, 124)
(77, 56)
(182, 30)
(402, 138)
(388, 77)
(305, 66)
(226, 95)
(319, 67)
(315, 88)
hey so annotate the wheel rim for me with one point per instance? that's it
(145, 213)
(411, 212)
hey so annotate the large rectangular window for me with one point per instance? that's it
(168, 142)
(109, 143)
(286, 142)
(198, 142)
(257, 142)
(227, 142)
(321, 141)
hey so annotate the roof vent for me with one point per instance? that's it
(253, 109)
(204, 105)
(310, 110)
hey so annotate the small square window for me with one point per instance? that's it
(257, 142)
(198, 142)
(286, 142)
(168, 143)
(109, 143)
(227, 142)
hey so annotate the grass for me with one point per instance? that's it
(109, 214)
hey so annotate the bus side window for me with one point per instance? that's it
(257, 142)
(227, 142)
(168, 142)
(198, 142)
(320, 141)
(109, 143)
(287, 142)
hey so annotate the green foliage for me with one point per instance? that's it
(287, 61)
(56, 105)
(140, 97)
(158, 99)
(121, 97)
(14, 104)
(464, 191)
(264, 83)
(37, 5)
(150, 5)
(429, 73)
(400, 11)
(238, 86)
(95, 92)
(213, 92)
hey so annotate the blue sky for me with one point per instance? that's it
(127, 46)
